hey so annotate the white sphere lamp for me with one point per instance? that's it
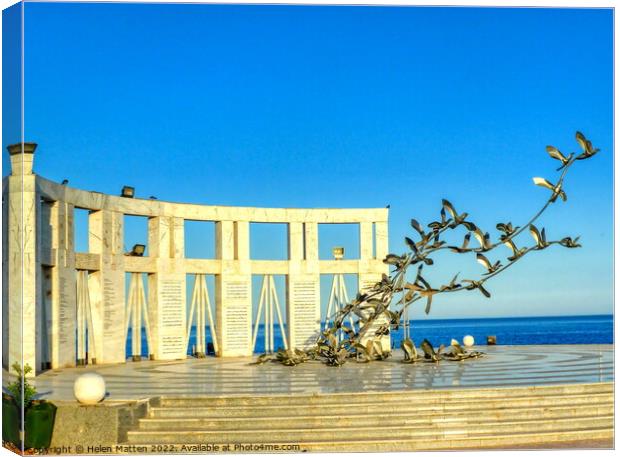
(89, 388)
(468, 341)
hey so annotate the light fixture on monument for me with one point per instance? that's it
(338, 253)
(128, 192)
(137, 250)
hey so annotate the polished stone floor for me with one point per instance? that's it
(501, 366)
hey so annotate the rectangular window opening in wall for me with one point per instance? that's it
(200, 293)
(136, 304)
(268, 312)
(303, 241)
(80, 229)
(374, 241)
(136, 234)
(346, 236)
(268, 241)
(199, 239)
(336, 289)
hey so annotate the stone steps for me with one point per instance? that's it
(330, 433)
(433, 417)
(474, 442)
(408, 420)
(521, 440)
(348, 398)
(419, 405)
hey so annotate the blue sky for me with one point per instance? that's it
(295, 106)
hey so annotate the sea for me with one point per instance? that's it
(598, 329)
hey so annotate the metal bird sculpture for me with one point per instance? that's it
(556, 154)
(555, 188)
(516, 253)
(491, 268)
(410, 351)
(477, 285)
(427, 292)
(418, 228)
(463, 247)
(568, 242)
(429, 352)
(339, 342)
(262, 359)
(507, 228)
(483, 239)
(586, 146)
(457, 347)
(409, 242)
(456, 218)
(539, 237)
(424, 237)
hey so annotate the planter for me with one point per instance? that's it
(10, 420)
(39, 425)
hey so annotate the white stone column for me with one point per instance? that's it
(233, 289)
(303, 286)
(371, 269)
(167, 300)
(381, 240)
(22, 271)
(366, 240)
(5, 273)
(63, 280)
(47, 261)
(107, 286)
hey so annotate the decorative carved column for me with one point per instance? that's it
(167, 300)
(233, 289)
(21, 270)
(63, 279)
(372, 267)
(303, 286)
(107, 286)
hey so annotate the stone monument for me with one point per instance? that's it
(44, 303)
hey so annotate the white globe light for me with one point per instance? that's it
(89, 388)
(468, 341)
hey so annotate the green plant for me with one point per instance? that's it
(21, 389)
(382, 308)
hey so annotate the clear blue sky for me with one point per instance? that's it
(292, 106)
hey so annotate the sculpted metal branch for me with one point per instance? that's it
(340, 342)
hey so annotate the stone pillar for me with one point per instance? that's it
(371, 269)
(233, 289)
(167, 300)
(303, 286)
(366, 241)
(21, 269)
(5, 273)
(63, 280)
(107, 286)
(381, 240)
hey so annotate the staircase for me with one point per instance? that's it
(382, 421)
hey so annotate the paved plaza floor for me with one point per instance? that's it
(501, 366)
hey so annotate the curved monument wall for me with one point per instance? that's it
(64, 291)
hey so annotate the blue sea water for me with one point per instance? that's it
(509, 331)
